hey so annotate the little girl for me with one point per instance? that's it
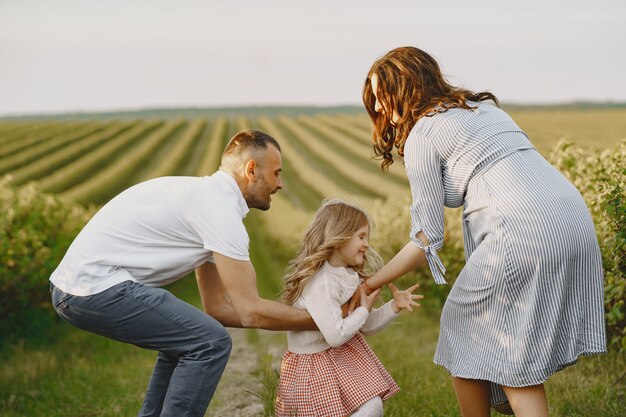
(333, 372)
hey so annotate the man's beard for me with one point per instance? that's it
(259, 196)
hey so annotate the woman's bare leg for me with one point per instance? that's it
(472, 396)
(528, 401)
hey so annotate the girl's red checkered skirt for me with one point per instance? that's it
(332, 383)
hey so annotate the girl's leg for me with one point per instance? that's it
(371, 408)
(472, 396)
(528, 401)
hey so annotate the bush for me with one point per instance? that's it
(601, 179)
(35, 231)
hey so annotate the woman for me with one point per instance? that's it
(529, 300)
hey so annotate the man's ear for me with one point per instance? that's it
(250, 170)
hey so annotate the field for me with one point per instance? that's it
(64, 372)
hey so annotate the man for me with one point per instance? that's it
(153, 234)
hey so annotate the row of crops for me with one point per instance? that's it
(91, 161)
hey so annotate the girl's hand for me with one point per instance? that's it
(355, 301)
(404, 300)
(367, 301)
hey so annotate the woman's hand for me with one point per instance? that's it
(367, 301)
(404, 300)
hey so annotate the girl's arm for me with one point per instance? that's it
(381, 317)
(324, 306)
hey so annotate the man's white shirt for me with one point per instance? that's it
(155, 233)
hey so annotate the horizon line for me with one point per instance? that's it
(322, 107)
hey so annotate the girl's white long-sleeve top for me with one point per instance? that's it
(323, 295)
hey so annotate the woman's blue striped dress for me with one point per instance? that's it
(529, 300)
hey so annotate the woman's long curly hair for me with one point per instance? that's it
(410, 83)
(333, 225)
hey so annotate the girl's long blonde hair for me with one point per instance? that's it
(333, 225)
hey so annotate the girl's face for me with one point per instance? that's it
(352, 253)
(378, 106)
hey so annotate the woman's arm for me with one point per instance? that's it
(424, 170)
(406, 260)
(409, 258)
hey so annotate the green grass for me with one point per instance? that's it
(266, 372)
(78, 375)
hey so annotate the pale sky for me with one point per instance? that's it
(92, 55)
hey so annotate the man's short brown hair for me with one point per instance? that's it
(248, 140)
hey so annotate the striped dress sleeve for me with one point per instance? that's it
(423, 167)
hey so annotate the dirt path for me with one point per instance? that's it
(235, 393)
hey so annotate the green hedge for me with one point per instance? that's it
(601, 179)
(35, 231)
